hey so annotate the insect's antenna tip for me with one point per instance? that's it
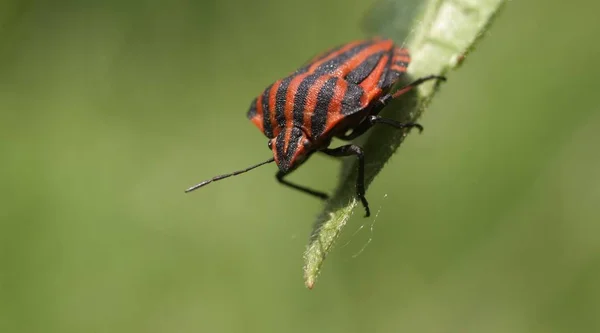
(196, 187)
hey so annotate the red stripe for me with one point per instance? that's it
(290, 97)
(398, 68)
(272, 100)
(401, 58)
(401, 50)
(311, 102)
(402, 55)
(353, 62)
(289, 106)
(258, 118)
(334, 112)
(370, 84)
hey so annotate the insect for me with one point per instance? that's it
(339, 93)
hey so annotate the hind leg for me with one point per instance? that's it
(373, 118)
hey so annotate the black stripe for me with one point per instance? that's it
(252, 111)
(402, 64)
(331, 65)
(294, 143)
(280, 101)
(268, 130)
(284, 157)
(358, 74)
(300, 98)
(391, 78)
(351, 102)
(319, 117)
(318, 57)
(386, 75)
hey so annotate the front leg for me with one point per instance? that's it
(280, 175)
(349, 150)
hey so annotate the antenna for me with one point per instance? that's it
(235, 173)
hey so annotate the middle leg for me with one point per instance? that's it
(349, 150)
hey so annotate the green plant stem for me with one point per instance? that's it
(443, 36)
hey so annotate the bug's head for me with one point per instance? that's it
(290, 148)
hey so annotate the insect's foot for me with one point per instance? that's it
(322, 196)
(366, 205)
(410, 126)
(428, 78)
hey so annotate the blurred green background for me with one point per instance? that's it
(108, 110)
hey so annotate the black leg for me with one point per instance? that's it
(280, 176)
(375, 119)
(379, 120)
(386, 98)
(383, 101)
(349, 150)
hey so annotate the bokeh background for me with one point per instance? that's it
(109, 109)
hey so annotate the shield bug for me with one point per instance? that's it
(339, 93)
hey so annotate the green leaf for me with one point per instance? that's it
(442, 34)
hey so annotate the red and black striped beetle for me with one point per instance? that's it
(340, 90)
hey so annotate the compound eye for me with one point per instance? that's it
(270, 144)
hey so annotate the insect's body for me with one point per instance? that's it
(327, 97)
(340, 90)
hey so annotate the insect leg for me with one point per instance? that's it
(391, 122)
(383, 101)
(375, 119)
(280, 175)
(349, 150)
(386, 98)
